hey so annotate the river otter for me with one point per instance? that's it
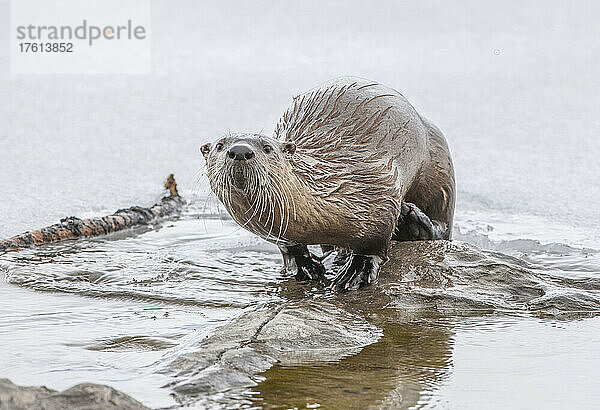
(351, 165)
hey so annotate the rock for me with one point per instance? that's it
(291, 333)
(85, 396)
(313, 340)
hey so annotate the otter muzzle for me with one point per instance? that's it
(240, 153)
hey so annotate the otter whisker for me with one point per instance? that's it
(214, 173)
(285, 209)
(279, 199)
(289, 198)
(253, 206)
(271, 215)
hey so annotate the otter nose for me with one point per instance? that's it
(240, 152)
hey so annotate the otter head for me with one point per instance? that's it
(246, 162)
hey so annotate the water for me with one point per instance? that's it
(514, 87)
(440, 365)
(116, 309)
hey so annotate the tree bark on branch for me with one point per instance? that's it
(73, 227)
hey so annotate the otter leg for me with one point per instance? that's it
(359, 270)
(298, 261)
(414, 225)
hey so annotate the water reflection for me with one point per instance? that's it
(398, 371)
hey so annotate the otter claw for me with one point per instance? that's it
(359, 270)
(309, 269)
(298, 261)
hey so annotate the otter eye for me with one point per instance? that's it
(219, 146)
(267, 149)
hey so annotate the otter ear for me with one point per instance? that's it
(289, 148)
(205, 150)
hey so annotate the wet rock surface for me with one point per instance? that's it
(288, 334)
(85, 396)
(405, 313)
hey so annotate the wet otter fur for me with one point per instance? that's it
(351, 165)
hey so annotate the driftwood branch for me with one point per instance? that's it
(72, 227)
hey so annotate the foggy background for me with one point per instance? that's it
(513, 85)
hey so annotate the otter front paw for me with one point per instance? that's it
(358, 271)
(308, 268)
(300, 263)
